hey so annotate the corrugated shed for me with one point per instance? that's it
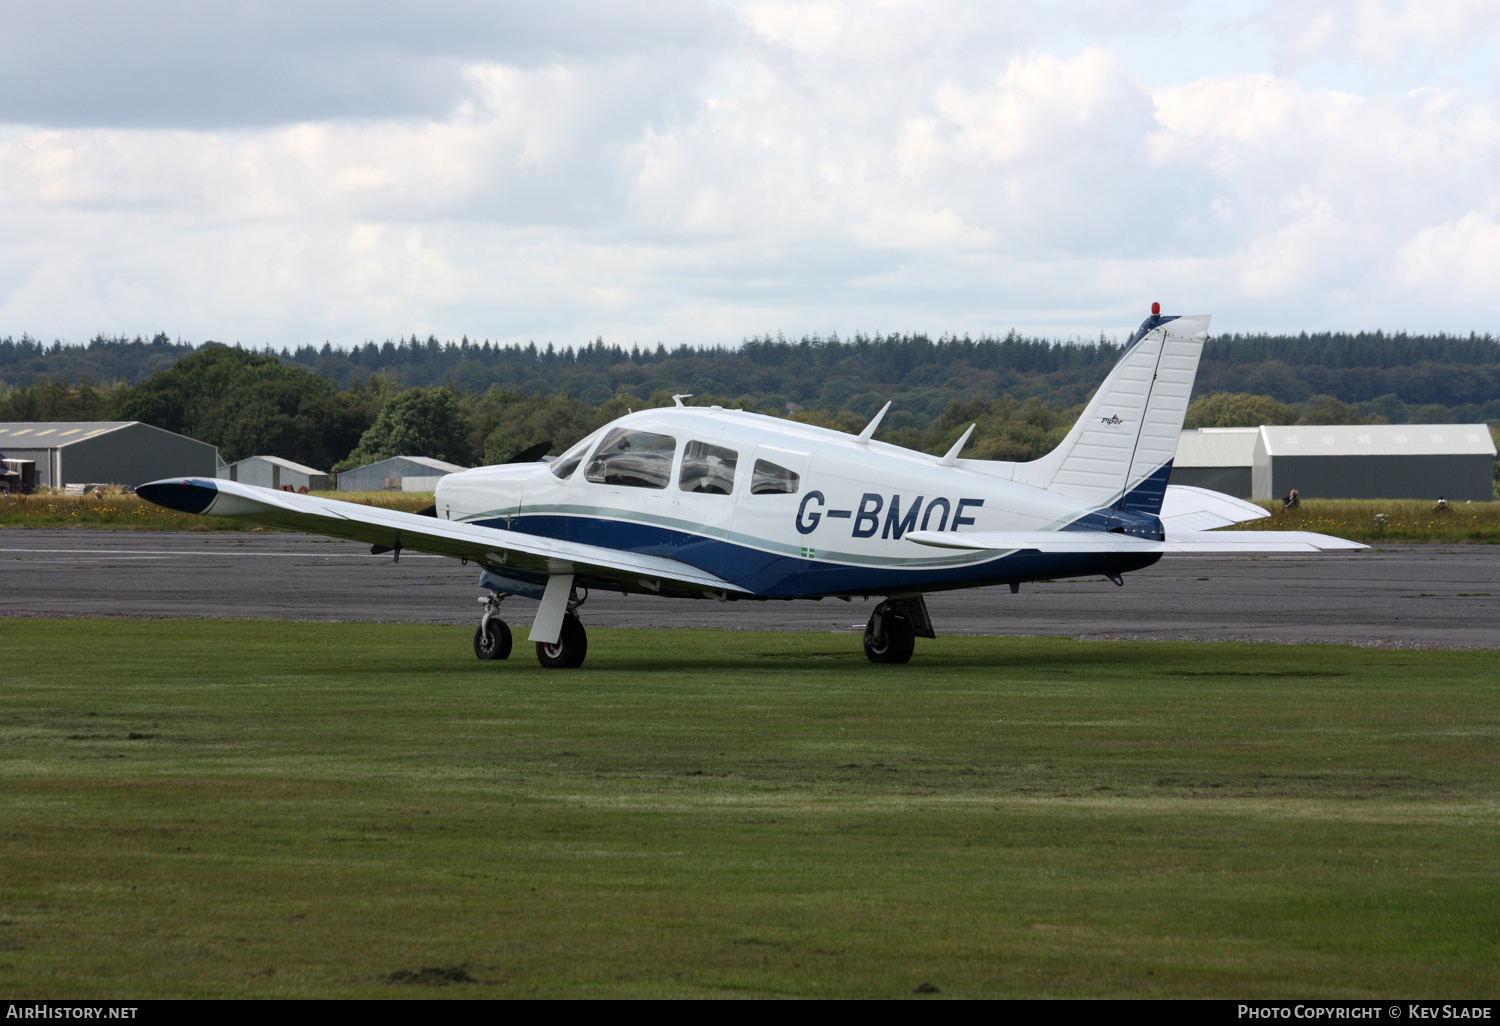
(1216, 447)
(124, 452)
(1379, 440)
(389, 475)
(275, 472)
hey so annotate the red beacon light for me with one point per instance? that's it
(1155, 309)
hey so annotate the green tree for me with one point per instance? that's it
(418, 422)
(1237, 409)
(57, 400)
(1325, 409)
(249, 405)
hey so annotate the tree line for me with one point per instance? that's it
(255, 403)
(1398, 376)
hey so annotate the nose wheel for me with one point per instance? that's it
(492, 637)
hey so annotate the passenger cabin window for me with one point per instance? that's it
(707, 468)
(568, 462)
(769, 479)
(634, 459)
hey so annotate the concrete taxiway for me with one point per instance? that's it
(1430, 596)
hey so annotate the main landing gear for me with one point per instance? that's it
(572, 645)
(891, 634)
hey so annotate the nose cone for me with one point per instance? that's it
(184, 494)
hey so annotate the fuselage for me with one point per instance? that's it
(781, 509)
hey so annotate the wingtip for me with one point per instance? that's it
(183, 494)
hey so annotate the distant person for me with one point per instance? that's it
(1291, 501)
(1442, 506)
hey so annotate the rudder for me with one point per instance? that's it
(1120, 451)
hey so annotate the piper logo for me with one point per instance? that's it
(1111, 421)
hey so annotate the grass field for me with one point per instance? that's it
(120, 511)
(199, 808)
(1403, 520)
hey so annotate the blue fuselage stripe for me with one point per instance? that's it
(772, 575)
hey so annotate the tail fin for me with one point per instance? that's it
(1120, 451)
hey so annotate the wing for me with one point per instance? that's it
(1186, 508)
(500, 549)
(1209, 542)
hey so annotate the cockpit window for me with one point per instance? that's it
(769, 479)
(707, 468)
(635, 459)
(568, 462)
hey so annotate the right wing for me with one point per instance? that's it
(498, 549)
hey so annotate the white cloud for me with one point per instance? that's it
(1457, 261)
(823, 166)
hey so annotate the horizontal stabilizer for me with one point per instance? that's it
(1207, 542)
(1186, 508)
(489, 546)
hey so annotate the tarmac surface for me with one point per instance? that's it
(1419, 596)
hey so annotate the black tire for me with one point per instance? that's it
(895, 643)
(572, 645)
(494, 642)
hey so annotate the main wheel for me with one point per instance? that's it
(572, 645)
(894, 643)
(492, 639)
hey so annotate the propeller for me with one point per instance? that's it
(532, 453)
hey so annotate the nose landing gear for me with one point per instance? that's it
(492, 637)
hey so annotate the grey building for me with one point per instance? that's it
(397, 474)
(1216, 458)
(105, 452)
(1375, 461)
(275, 472)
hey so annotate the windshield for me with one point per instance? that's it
(635, 459)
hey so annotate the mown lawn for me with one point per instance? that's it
(121, 511)
(209, 808)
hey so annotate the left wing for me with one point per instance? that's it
(493, 547)
(1209, 542)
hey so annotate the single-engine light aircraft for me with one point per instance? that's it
(735, 506)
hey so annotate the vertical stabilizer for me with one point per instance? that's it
(1120, 451)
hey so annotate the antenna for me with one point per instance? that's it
(869, 431)
(678, 399)
(958, 447)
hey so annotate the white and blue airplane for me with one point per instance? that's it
(736, 506)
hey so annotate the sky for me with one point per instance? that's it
(682, 171)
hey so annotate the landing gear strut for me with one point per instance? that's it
(492, 637)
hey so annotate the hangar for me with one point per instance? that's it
(397, 474)
(1375, 461)
(275, 472)
(105, 452)
(1216, 458)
